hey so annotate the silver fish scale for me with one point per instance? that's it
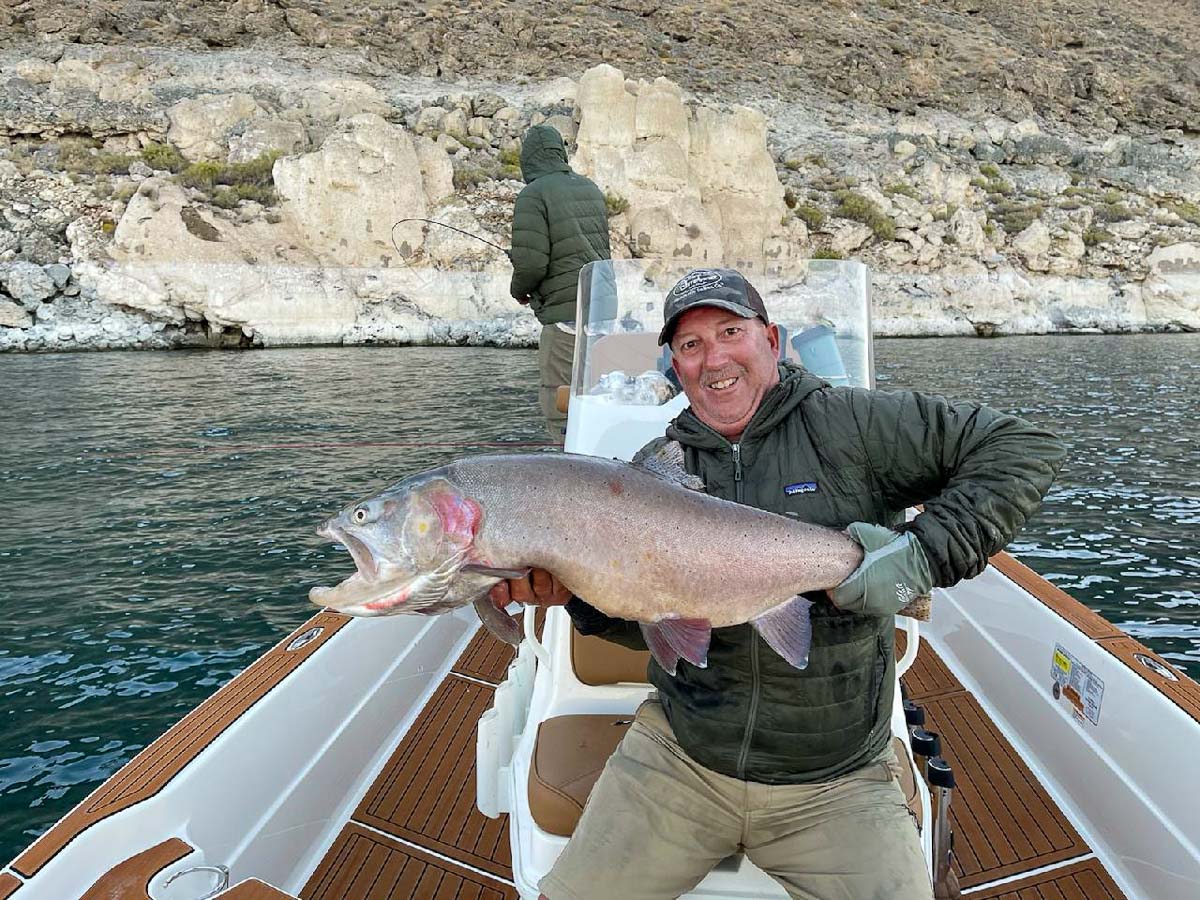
(637, 546)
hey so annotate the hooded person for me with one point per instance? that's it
(560, 224)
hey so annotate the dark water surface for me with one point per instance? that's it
(156, 532)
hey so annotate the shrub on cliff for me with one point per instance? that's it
(164, 156)
(855, 206)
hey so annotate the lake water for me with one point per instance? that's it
(158, 513)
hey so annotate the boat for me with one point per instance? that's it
(414, 757)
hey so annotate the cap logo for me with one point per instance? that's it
(695, 282)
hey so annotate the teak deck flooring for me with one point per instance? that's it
(416, 834)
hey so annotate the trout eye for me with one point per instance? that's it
(360, 515)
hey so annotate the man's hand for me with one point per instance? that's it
(893, 573)
(539, 588)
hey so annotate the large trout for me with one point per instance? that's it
(637, 541)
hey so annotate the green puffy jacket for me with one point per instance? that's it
(860, 456)
(560, 224)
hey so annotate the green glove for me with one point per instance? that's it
(893, 572)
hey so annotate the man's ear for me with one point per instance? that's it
(773, 338)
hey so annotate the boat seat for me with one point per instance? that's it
(598, 662)
(571, 752)
(567, 759)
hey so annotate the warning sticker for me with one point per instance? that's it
(1077, 684)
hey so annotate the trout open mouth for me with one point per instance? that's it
(363, 593)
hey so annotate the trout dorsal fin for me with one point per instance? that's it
(665, 460)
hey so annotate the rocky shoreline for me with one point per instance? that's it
(155, 198)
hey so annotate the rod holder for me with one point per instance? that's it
(914, 715)
(941, 783)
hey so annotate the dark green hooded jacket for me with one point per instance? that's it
(861, 456)
(560, 224)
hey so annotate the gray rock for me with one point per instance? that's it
(487, 104)
(27, 283)
(13, 316)
(59, 273)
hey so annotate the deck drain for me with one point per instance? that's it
(306, 638)
(1155, 666)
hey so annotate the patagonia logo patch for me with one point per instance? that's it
(801, 487)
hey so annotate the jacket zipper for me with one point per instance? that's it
(754, 681)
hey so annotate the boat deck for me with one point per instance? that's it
(417, 833)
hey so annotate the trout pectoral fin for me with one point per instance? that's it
(677, 639)
(498, 621)
(788, 630)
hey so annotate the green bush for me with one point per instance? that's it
(510, 158)
(208, 173)
(202, 175)
(824, 253)
(1015, 216)
(1113, 212)
(229, 197)
(813, 216)
(1093, 236)
(466, 177)
(82, 157)
(860, 209)
(615, 204)
(1189, 212)
(789, 199)
(901, 188)
(164, 156)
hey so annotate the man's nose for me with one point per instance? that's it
(715, 356)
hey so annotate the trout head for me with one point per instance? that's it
(409, 545)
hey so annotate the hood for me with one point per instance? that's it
(795, 383)
(542, 152)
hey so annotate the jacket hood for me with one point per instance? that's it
(542, 152)
(795, 383)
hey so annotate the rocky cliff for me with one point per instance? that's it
(232, 173)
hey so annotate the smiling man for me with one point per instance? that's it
(794, 767)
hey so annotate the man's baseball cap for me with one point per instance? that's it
(723, 288)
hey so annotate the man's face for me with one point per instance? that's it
(725, 364)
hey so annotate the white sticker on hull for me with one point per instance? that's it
(1077, 685)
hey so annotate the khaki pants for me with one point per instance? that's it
(657, 822)
(556, 352)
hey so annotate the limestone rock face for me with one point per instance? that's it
(265, 135)
(345, 198)
(700, 183)
(199, 126)
(1172, 288)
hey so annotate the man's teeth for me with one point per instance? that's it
(722, 384)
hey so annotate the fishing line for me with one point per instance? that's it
(426, 280)
(323, 445)
(452, 228)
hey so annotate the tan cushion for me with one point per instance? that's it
(568, 757)
(597, 661)
(908, 780)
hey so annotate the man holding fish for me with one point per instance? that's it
(757, 551)
(794, 766)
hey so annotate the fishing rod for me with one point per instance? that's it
(507, 253)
